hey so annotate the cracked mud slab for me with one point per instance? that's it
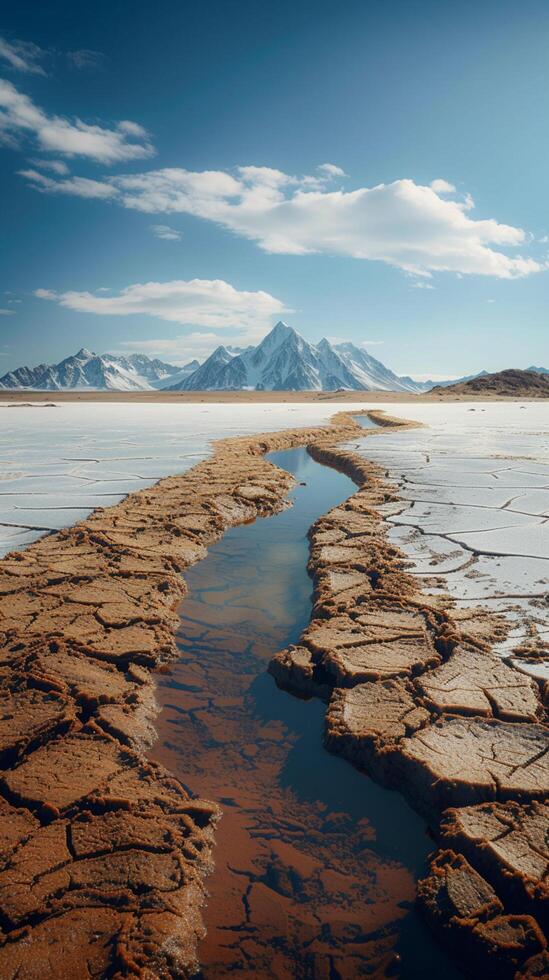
(509, 843)
(465, 910)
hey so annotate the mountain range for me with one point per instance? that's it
(99, 372)
(282, 361)
(285, 361)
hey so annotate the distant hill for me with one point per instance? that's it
(504, 384)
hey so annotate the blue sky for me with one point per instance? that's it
(178, 175)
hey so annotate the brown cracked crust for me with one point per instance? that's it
(418, 700)
(468, 915)
(103, 855)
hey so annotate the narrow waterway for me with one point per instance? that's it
(315, 863)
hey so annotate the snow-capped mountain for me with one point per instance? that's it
(285, 361)
(204, 378)
(371, 373)
(99, 372)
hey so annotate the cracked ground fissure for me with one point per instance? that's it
(85, 615)
(94, 772)
(398, 715)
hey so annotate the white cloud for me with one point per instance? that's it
(22, 56)
(403, 224)
(55, 166)
(76, 186)
(421, 284)
(357, 343)
(210, 303)
(7, 312)
(331, 170)
(166, 233)
(19, 116)
(187, 347)
(441, 186)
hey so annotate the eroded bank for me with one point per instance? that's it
(104, 854)
(315, 866)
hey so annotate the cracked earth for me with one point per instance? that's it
(104, 854)
(432, 693)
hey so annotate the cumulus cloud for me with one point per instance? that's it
(441, 186)
(210, 303)
(22, 56)
(19, 116)
(331, 170)
(407, 225)
(166, 233)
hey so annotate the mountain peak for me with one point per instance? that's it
(282, 327)
(84, 354)
(277, 336)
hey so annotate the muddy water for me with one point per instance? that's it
(315, 864)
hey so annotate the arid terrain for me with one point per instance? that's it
(105, 846)
(498, 386)
(503, 384)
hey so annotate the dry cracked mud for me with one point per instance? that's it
(103, 855)
(417, 699)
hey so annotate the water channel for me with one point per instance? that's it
(315, 864)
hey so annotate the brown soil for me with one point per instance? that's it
(417, 699)
(465, 910)
(29, 399)
(99, 843)
(103, 846)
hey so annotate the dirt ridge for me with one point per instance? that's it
(416, 698)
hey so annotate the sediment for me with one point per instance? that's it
(418, 700)
(103, 854)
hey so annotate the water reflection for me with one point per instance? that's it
(315, 863)
(366, 422)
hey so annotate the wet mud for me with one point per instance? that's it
(315, 866)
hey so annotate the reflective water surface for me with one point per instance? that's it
(366, 422)
(315, 863)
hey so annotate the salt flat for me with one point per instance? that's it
(58, 464)
(475, 514)
(474, 482)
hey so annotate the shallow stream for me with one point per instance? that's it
(315, 863)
